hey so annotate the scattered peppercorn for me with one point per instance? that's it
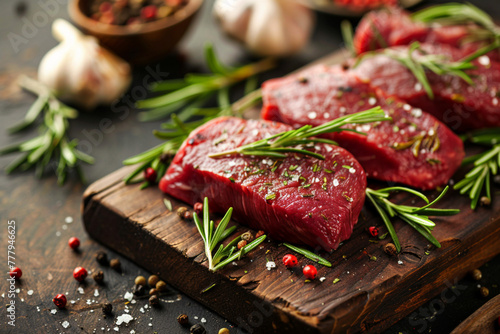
(180, 211)
(373, 231)
(484, 292)
(161, 286)
(259, 234)
(223, 331)
(183, 319)
(188, 215)
(198, 208)
(152, 280)
(16, 273)
(101, 258)
(247, 236)
(390, 249)
(80, 274)
(476, 274)
(140, 280)
(290, 260)
(115, 264)
(138, 290)
(197, 329)
(154, 300)
(60, 300)
(98, 276)
(241, 244)
(153, 291)
(485, 201)
(150, 175)
(74, 243)
(310, 271)
(107, 308)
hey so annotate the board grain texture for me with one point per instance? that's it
(374, 291)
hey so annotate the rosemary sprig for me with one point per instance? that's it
(457, 14)
(418, 61)
(416, 217)
(52, 144)
(308, 254)
(485, 164)
(291, 141)
(195, 89)
(213, 236)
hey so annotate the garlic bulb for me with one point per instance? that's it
(267, 27)
(79, 71)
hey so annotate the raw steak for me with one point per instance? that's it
(393, 27)
(459, 105)
(415, 149)
(297, 199)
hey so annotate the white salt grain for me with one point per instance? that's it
(30, 292)
(128, 296)
(68, 220)
(65, 324)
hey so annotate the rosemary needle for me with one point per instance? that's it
(52, 144)
(485, 165)
(416, 217)
(290, 141)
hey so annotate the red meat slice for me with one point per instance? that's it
(297, 199)
(415, 149)
(394, 27)
(456, 103)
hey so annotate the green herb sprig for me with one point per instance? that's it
(457, 14)
(308, 254)
(214, 236)
(195, 89)
(416, 217)
(418, 61)
(286, 142)
(52, 144)
(478, 180)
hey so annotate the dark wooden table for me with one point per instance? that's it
(40, 207)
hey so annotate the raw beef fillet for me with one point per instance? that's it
(393, 27)
(456, 103)
(415, 148)
(298, 199)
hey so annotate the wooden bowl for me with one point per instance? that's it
(141, 43)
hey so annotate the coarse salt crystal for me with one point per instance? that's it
(53, 311)
(416, 112)
(96, 293)
(342, 109)
(30, 292)
(116, 329)
(65, 227)
(65, 324)
(322, 279)
(352, 170)
(400, 262)
(407, 107)
(335, 182)
(68, 220)
(124, 318)
(484, 60)
(312, 115)
(418, 86)
(203, 320)
(128, 296)
(494, 101)
(372, 101)
(150, 325)
(270, 265)
(326, 115)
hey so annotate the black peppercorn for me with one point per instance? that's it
(102, 258)
(140, 280)
(152, 280)
(390, 249)
(485, 201)
(154, 300)
(98, 277)
(484, 292)
(138, 290)
(180, 211)
(107, 308)
(198, 208)
(188, 215)
(476, 274)
(183, 319)
(197, 329)
(115, 264)
(153, 291)
(161, 286)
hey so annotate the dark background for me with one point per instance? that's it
(40, 206)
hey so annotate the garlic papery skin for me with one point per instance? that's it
(80, 71)
(267, 27)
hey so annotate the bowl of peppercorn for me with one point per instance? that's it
(139, 31)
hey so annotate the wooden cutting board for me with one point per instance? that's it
(374, 291)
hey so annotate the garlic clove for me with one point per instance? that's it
(267, 27)
(80, 71)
